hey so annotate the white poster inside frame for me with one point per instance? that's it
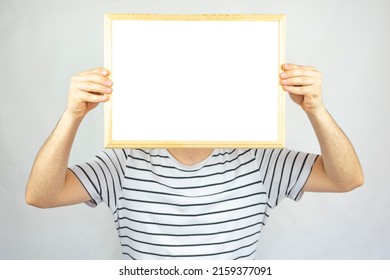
(194, 81)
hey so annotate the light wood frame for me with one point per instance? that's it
(135, 46)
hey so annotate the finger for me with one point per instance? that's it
(299, 90)
(291, 66)
(92, 98)
(299, 81)
(92, 78)
(300, 72)
(99, 71)
(93, 87)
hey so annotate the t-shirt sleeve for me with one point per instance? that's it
(284, 172)
(103, 176)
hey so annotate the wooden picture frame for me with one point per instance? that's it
(194, 81)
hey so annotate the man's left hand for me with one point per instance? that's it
(304, 84)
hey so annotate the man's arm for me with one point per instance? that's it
(51, 184)
(338, 168)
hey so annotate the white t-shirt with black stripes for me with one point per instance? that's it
(215, 209)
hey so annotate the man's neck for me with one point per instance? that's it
(190, 156)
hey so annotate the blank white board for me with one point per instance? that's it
(194, 80)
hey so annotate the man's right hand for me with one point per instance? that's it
(88, 89)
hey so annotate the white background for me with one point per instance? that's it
(44, 42)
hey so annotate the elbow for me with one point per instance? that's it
(355, 182)
(34, 200)
(359, 182)
(30, 200)
(36, 203)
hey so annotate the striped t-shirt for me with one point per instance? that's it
(215, 209)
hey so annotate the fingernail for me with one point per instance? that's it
(104, 72)
(283, 75)
(108, 82)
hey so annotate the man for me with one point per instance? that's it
(191, 203)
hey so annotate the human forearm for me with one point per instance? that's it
(341, 164)
(49, 170)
